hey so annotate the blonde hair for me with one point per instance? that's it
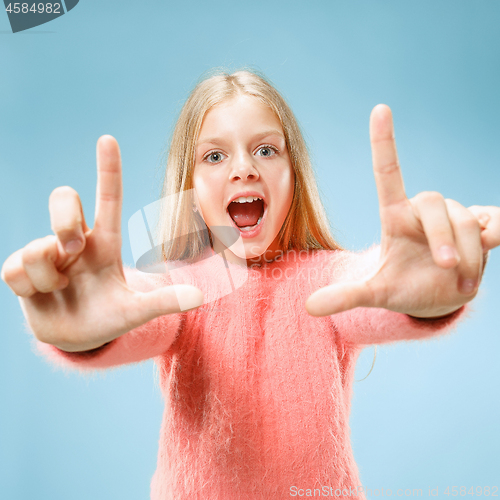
(183, 233)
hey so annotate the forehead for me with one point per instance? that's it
(238, 114)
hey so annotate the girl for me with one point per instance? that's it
(258, 381)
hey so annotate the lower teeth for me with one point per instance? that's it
(249, 228)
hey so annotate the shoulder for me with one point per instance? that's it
(319, 258)
(350, 265)
(344, 264)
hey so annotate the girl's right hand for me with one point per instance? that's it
(71, 285)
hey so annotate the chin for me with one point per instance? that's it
(247, 251)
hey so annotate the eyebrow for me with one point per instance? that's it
(266, 133)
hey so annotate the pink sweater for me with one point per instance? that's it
(257, 392)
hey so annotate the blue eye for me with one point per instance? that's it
(267, 151)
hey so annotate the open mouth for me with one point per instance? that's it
(247, 212)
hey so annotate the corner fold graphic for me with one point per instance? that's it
(70, 4)
(36, 13)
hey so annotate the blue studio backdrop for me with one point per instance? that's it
(427, 415)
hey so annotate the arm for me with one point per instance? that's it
(144, 342)
(380, 326)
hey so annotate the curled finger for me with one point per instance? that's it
(38, 260)
(489, 221)
(67, 219)
(15, 276)
(468, 240)
(430, 208)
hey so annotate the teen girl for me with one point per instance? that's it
(257, 383)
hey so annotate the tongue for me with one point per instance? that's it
(246, 214)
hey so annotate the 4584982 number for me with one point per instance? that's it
(40, 8)
(473, 491)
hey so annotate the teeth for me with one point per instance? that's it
(246, 199)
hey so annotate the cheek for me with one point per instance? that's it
(209, 194)
(201, 183)
(285, 186)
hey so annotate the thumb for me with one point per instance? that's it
(339, 297)
(165, 300)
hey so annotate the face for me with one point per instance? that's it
(241, 155)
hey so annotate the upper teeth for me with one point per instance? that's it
(246, 199)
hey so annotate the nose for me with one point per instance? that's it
(243, 168)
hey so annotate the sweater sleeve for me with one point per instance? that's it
(369, 325)
(144, 342)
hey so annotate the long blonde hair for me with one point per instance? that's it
(182, 232)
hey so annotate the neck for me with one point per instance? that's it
(269, 255)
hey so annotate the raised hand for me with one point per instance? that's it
(432, 251)
(71, 285)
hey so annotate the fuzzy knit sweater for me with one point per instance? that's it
(257, 392)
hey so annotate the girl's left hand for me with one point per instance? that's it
(432, 251)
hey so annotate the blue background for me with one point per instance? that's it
(427, 416)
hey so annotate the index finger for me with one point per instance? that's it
(390, 186)
(109, 185)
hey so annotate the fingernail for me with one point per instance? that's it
(448, 253)
(73, 246)
(468, 286)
